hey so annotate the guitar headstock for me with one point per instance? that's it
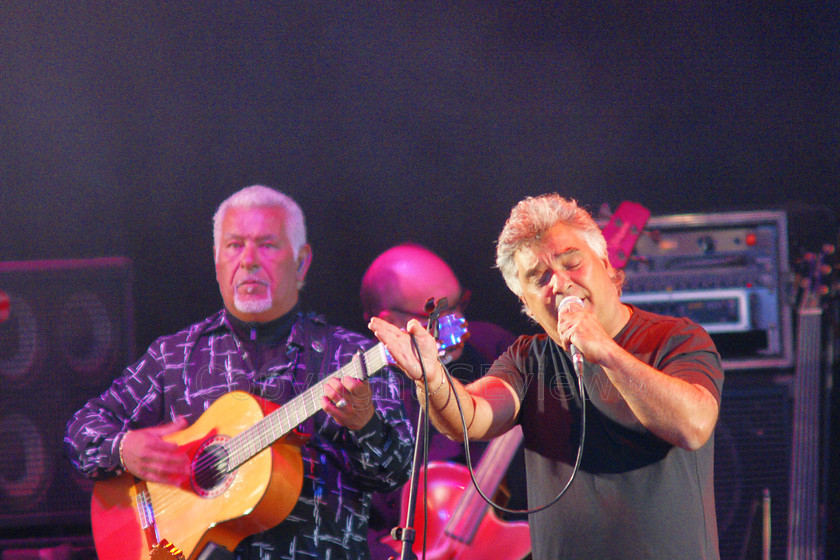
(817, 277)
(625, 227)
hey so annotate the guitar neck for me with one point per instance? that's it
(277, 424)
(803, 514)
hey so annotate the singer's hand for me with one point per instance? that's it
(399, 346)
(577, 325)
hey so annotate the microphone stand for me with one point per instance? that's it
(408, 534)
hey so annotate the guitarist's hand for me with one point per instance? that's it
(348, 401)
(147, 456)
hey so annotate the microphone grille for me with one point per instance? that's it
(567, 301)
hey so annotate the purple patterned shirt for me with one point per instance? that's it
(182, 374)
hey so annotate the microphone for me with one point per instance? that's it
(577, 355)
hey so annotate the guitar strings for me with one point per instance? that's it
(239, 449)
(170, 500)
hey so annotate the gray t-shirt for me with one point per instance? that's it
(634, 496)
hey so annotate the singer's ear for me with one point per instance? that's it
(608, 265)
(525, 308)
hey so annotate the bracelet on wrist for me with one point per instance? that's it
(439, 387)
(122, 443)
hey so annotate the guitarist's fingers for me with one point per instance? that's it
(149, 457)
(348, 401)
(175, 426)
(333, 390)
(171, 468)
(356, 392)
(347, 391)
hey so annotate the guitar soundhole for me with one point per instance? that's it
(210, 476)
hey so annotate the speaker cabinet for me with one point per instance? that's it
(752, 462)
(66, 330)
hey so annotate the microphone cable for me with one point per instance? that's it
(581, 390)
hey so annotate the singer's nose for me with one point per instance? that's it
(560, 282)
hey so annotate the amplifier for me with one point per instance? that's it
(728, 272)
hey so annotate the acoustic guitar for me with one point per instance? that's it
(246, 473)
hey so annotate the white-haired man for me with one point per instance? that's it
(644, 486)
(263, 344)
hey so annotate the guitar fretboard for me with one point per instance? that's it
(251, 441)
(803, 507)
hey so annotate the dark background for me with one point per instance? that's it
(123, 125)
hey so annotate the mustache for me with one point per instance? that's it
(250, 280)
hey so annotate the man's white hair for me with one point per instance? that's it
(259, 196)
(531, 218)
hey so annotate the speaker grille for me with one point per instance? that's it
(68, 331)
(752, 454)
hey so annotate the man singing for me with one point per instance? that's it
(651, 394)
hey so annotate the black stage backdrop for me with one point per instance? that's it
(124, 124)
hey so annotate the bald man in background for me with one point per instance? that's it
(397, 285)
(395, 288)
